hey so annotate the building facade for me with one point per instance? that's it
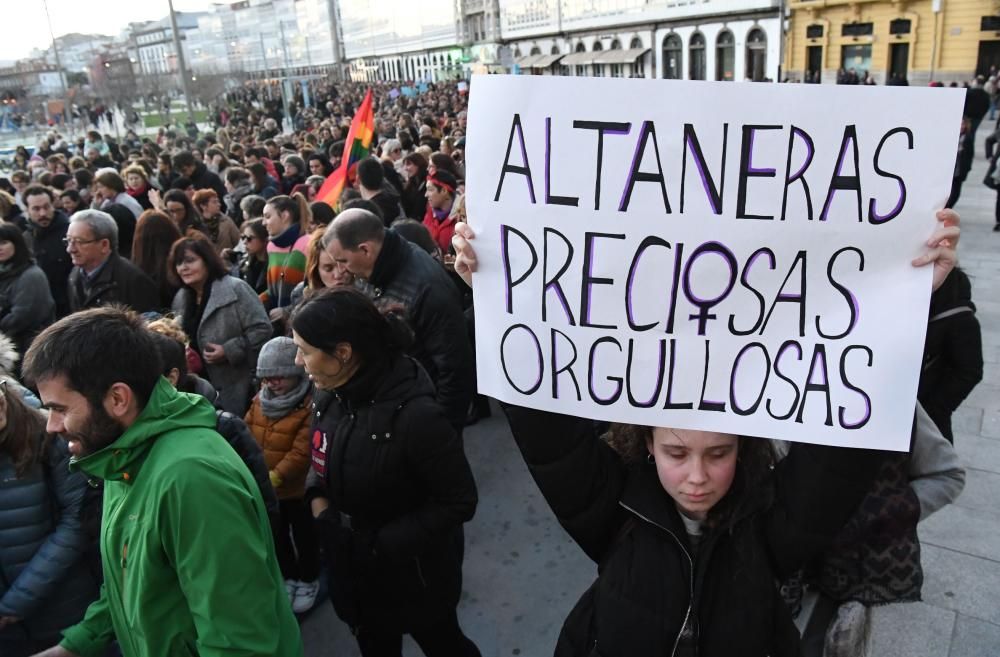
(153, 43)
(727, 40)
(29, 79)
(391, 40)
(916, 41)
(265, 36)
(682, 39)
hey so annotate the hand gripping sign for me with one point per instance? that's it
(724, 257)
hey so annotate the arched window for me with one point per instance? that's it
(639, 65)
(598, 68)
(616, 68)
(673, 53)
(725, 56)
(756, 55)
(581, 69)
(696, 57)
(531, 70)
(557, 68)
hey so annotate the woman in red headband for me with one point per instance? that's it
(441, 214)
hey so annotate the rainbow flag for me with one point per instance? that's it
(356, 147)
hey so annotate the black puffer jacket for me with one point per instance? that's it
(43, 578)
(386, 457)
(119, 281)
(953, 351)
(404, 275)
(652, 587)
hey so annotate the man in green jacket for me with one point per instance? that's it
(189, 563)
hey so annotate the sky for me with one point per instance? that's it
(104, 17)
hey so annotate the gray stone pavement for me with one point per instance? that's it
(523, 573)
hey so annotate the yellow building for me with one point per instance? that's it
(920, 40)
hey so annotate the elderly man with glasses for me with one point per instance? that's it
(99, 276)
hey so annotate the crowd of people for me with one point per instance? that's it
(157, 294)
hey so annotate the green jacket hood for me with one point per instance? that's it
(167, 410)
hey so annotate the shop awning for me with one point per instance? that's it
(620, 56)
(580, 58)
(546, 61)
(527, 61)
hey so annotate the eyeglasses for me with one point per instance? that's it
(76, 241)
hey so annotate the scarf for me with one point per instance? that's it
(9, 269)
(275, 408)
(287, 239)
(212, 226)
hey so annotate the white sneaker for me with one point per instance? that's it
(305, 596)
(291, 587)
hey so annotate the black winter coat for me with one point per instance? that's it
(953, 351)
(119, 281)
(238, 435)
(388, 204)
(414, 198)
(202, 178)
(404, 275)
(400, 489)
(43, 578)
(50, 255)
(977, 103)
(652, 587)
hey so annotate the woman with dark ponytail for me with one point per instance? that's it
(390, 486)
(286, 219)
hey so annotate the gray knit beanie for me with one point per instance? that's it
(277, 358)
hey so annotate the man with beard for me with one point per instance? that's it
(47, 229)
(189, 563)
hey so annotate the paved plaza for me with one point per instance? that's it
(523, 573)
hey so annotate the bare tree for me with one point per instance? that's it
(208, 87)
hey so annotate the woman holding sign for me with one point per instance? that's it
(691, 529)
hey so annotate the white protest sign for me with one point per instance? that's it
(715, 256)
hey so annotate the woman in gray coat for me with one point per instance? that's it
(26, 305)
(223, 318)
(45, 582)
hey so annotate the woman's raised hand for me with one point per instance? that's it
(465, 255)
(942, 247)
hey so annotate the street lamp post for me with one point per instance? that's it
(181, 68)
(284, 77)
(62, 76)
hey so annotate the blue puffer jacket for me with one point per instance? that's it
(43, 578)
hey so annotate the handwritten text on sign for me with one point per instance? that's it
(725, 257)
